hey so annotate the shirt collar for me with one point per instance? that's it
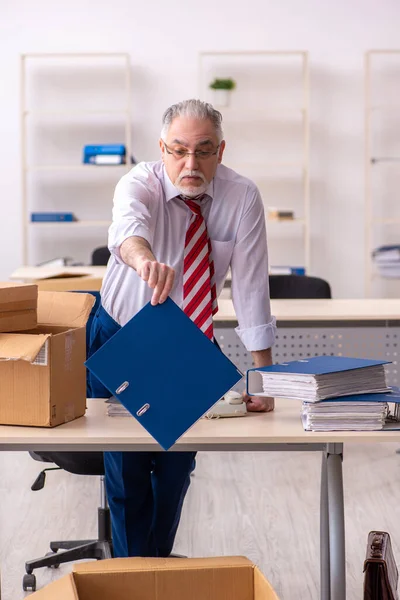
(172, 192)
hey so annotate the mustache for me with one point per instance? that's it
(191, 174)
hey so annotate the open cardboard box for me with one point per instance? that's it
(42, 372)
(227, 578)
(56, 278)
(18, 306)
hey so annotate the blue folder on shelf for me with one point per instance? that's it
(164, 370)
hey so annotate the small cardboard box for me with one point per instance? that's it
(42, 372)
(230, 578)
(18, 306)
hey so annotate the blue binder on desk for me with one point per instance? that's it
(164, 370)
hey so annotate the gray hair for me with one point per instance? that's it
(196, 109)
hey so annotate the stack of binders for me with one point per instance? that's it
(337, 393)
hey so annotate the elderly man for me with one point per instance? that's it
(178, 225)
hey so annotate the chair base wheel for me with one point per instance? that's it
(29, 582)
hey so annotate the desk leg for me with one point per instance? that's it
(337, 556)
(325, 574)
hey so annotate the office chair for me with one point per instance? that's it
(80, 463)
(298, 287)
(100, 256)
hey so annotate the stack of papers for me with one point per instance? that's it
(387, 260)
(116, 409)
(318, 378)
(364, 412)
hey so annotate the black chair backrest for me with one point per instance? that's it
(285, 287)
(100, 256)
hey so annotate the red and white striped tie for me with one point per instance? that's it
(199, 289)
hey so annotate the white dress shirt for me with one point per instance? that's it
(146, 205)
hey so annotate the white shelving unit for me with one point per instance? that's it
(266, 127)
(67, 101)
(382, 164)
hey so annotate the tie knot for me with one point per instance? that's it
(193, 204)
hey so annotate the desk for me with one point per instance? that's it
(357, 328)
(278, 431)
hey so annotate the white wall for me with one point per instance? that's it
(163, 39)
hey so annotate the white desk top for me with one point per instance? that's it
(48, 272)
(284, 310)
(323, 310)
(97, 431)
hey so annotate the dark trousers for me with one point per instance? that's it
(145, 490)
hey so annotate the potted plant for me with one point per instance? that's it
(222, 88)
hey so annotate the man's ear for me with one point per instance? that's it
(221, 151)
(162, 148)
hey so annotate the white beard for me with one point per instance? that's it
(192, 191)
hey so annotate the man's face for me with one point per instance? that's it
(191, 173)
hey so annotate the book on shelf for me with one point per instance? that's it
(283, 270)
(52, 217)
(104, 154)
(387, 254)
(317, 378)
(280, 214)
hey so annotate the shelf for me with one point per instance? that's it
(387, 107)
(83, 112)
(270, 165)
(81, 167)
(255, 53)
(377, 275)
(76, 55)
(286, 221)
(79, 98)
(385, 159)
(70, 224)
(387, 221)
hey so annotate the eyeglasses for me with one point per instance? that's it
(180, 153)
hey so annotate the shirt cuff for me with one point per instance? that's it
(137, 230)
(257, 338)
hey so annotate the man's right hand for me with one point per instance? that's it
(159, 277)
(137, 253)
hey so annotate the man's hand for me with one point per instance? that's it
(258, 403)
(137, 253)
(159, 277)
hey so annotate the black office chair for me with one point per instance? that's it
(298, 287)
(79, 463)
(100, 256)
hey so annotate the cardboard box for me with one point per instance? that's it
(18, 306)
(57, 278)
(42, 372)
(228, 578)
(66, 283)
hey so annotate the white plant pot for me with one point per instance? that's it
(221, 97)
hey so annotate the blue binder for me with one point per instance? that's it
(322, 365)
(315, 365)
(164, 370)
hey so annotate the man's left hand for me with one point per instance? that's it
(258, 403)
